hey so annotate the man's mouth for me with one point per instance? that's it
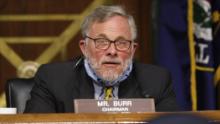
(111, 63)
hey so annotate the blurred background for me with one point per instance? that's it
(180, 35)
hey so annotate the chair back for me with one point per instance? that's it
(218, 94)
(18, 92)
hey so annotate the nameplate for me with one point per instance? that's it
(114, 106)
(8, 110)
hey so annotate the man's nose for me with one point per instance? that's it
(112, 50)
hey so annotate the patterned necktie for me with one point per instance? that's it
(108, 93)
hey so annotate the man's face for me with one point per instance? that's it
(108, 64)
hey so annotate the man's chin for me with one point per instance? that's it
(109, 75)
(109, 79)
(110, 71)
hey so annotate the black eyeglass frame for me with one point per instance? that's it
(109, 43)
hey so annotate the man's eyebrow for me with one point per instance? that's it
(120, 38)
(102, 36)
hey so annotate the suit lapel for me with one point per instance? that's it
(86, 88)
(130, 88)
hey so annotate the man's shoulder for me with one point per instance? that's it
(65, 65)
(57, 65)
(59, 68)
(151, 74)
(142, 68)
(152, 79)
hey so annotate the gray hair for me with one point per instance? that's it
(102, 13)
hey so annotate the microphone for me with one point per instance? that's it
(146, 95)
(78, 61)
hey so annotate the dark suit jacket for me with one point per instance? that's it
(58, 84)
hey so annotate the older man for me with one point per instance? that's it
(105, 72)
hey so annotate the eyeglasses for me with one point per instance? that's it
(104, 44)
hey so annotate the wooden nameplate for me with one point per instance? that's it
(114, 106)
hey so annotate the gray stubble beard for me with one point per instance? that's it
(109, 74)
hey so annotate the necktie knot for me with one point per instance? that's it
(108, 93)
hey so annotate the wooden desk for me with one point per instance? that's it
(70, 118)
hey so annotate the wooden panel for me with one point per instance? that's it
(99, 118)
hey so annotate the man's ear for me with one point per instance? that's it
(82, 46)
(135, 46)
